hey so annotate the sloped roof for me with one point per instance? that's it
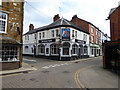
(59, 23)
(112, 10)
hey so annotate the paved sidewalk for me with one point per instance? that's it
(24, 68)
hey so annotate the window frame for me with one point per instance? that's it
(43, 34)
(92, 29)
(75, 34)
(5, 20)
(53, 33)
(57, 32)
(54, 48)
(40, 35)
(74, 49)
(9, 53)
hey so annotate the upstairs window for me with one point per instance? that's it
(75, 34)
(40, 35)
(52, 33)
(35, 36)
(92, 39)
(43, 34)
(92, 30)
(3, 22)
(96, 32)
(85, 37)
(72, 33)
(57, 34)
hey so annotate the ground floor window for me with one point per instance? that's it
(54, 49)
(92, 51)
(47, 50)
(85, 49)
(9, 53)
(41, 49)
(97, 51)
(81, 49)
(66, 47)
(74, 49)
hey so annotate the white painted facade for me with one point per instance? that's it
(48, 34)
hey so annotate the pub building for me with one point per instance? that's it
(11, 27)
(61, 40)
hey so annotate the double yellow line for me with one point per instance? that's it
(79, 84)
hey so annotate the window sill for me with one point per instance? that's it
(9, 61)
(54, 54)
(74, 54)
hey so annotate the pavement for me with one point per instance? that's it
(27, 67)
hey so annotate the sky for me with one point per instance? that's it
(41, 12)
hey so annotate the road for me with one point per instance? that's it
(63, 74)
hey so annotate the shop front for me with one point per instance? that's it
(10, 52)
(66, 51)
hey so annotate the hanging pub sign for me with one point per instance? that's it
(65, 34)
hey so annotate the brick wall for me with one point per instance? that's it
(9, 65)
(81, 23)
(14, 20)
(115, 24)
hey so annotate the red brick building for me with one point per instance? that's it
(95, 35)
(111, 49)
(114, 17)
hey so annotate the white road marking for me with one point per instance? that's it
(55, 65)
(29, 60)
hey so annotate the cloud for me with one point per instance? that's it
(94, 11)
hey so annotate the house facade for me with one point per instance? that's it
(94, 37)
(61, 40)
(11, 28)
(111, 49)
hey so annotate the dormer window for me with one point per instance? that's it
(3, 22)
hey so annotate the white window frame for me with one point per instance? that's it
(74, 49)
(96, 32)
(5, 21)
(92, 38)
(92, 29)
(40, 35)
(53, 33)
(54, 47)
(75, 34)
(57, 32)
(6, 53)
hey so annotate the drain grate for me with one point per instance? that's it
(76, 62)
(45, 71)
(25, 72)
(32, 79)
(66, 72)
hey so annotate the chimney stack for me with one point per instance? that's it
(56, 17)
(31, 27)
(74, 19)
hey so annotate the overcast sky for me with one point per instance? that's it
(42, 12)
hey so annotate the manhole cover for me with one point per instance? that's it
(76, 62)
(66, 72)
(45, 71)
(32, 79)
